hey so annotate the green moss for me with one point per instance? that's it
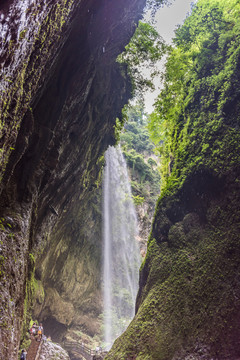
(32, 259)
(138, 149)
(189, 124)
(22, 34)
(18, 94)
(34, 291)
(190, 287)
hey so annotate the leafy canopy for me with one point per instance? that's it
(201, 82)
(143, 51)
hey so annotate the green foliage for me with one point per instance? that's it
(32, 259)
(137, 163)
(189, 291)
(34, 290)
(138, 151)
(188, 280)
(138, 200)
(200, 83)
(2, 227)
(22, 34)
(145, 48)
(143, 45)
(118, 128)
(18, 90)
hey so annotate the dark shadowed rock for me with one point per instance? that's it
(61, 91)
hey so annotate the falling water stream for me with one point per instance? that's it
(121, 250)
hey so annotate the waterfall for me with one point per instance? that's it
(121, 256)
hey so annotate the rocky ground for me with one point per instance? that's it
(52, 351)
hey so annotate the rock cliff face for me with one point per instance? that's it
(61, 91)
(188, 305)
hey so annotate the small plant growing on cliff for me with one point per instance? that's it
(22, 34)
(118, 128)
(1, 224)
(138, 200)
(32, 259)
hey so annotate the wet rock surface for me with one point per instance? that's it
(60, 96)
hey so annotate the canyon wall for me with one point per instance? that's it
(61, 91)
(188, 305)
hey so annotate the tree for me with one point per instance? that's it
(138, 151)
(145, 49)
(202, 71)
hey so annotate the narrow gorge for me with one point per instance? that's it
(62, 90)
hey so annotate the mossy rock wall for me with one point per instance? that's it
(61, 91)
(189, 300)
(188, 305)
